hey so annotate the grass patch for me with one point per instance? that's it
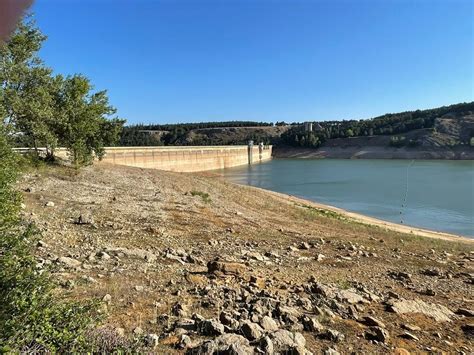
(204, 195)
(309, 212)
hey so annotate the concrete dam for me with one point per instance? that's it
(188, 158)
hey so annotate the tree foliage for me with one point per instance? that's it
(389, 124)
(46, 110)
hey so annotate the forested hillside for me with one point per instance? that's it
(444, 126)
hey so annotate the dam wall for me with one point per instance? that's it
(188, 158)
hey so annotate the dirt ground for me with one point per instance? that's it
(141, 241)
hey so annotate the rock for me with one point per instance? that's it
(304, 246)
(331, 351)
(432, 272)
(410, 327)
(120, 332)
(410, 336)
(136, 253)
(288, 314)
(438, 312)
(285, 341)
(103, 255)
(107, 298)
(139, 288)
(210, 327)
(465, 312)
(252, 331)
(186, 323)
(42, 244)
(400, 275)
(226, 268)
(332, 335)
(179, 310)
(349, 296)
(378, 334)
(371, 322)
(152, 340)
(268, 324)
(232, 344)
(311, 324)
(184, 342)
(49, 204)
(320, 257)
(138, 331)
(266, 346)
(468, 328)
(69, 262)
(85, 218)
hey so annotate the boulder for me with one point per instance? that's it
(436, 311)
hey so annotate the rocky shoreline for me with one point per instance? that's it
(190, 264)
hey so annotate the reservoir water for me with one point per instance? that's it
(431, 194)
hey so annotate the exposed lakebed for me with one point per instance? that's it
(434, 194)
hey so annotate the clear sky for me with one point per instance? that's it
(266, 60)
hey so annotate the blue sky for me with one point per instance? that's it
(265, 60)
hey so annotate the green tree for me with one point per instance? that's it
(84, 127)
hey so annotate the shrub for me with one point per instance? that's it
(32, 318)
(204, 195)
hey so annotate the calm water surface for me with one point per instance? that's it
(432, 194)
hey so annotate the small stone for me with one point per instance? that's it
(410, 336)
(411, 327)
(465, 312)
(331, 351)
(152, 340)
(139, 288)
(304, 246)
(252, 331)
(138, 331)
(268, 324)
(211, 327)
(69, 262)
(49, 204)
(227, 268)
(266, 345)
(371, 321)
(468, 328)
(320, 257)
(378, 334)
(311, 324)
(184, 342)
(107, 298)
(333, 335)
(103, 255)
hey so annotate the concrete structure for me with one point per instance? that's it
(188, 158)
(308, 126)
